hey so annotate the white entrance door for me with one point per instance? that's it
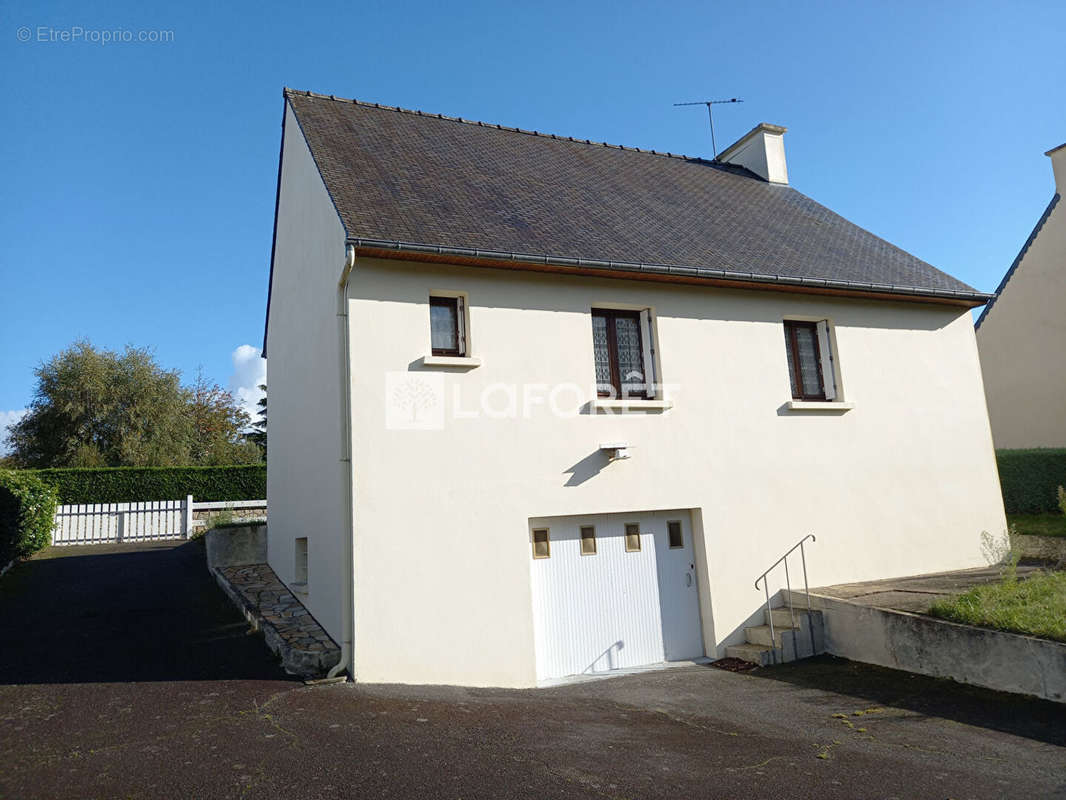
(612, 591)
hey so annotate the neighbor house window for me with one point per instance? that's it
(632, 537)
(541, 543)
(447, 325)
(588, 540)
(622, 347)
(810, 360)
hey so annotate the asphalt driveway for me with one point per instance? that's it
(120, 613)
(174, 699)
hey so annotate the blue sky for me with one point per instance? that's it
(139, 178)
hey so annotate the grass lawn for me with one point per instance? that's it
(1036, 606)
(1038, 524)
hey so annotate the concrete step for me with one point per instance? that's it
(755, 653)
(760, 634)
(783, 619)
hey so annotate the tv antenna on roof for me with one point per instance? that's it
(710, 118)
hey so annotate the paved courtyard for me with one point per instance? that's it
(127, 675)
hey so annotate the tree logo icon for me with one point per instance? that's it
(414, 401)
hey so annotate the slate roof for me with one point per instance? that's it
(409, 180)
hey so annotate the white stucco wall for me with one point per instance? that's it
(305, 475)
(903, 483)
(1022, 341)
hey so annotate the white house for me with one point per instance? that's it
(542, 406)
(1021, 334)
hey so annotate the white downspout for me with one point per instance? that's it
(347, 660)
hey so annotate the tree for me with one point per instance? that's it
(101, 408)
(218, 424)
(258, 434)
(95, 407)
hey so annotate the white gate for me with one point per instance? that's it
(98, 523)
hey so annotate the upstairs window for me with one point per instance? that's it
(447, 325)
(622, 346)
(810, 360)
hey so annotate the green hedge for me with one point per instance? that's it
(27, 512)
(139, 484)
(1030, 479)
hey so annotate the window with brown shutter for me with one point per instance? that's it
(447, 326)
(804, 356)
(618, 345)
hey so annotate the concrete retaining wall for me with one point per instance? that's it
(236, 546)
(1007, 662)
(1045, 548)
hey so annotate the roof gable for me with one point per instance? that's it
(1021, 255)
(400, 176)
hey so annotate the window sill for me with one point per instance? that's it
(819, 405)
(634, 404)
(451, 361)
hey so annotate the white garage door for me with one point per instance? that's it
(612, 591)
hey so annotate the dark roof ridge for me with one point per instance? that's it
(289, 92)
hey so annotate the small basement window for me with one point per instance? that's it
(673, 531)
(810, 360)
(541, 543)
(632, 537)
(447, 326)
(299, 572)
(588, 540)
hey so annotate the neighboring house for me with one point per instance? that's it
(1021, 334)
(457, 490)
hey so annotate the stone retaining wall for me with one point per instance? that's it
(236, 556)
(290, 631)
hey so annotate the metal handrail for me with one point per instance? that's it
(788, 586)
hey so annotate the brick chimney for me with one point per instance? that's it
(761, 150)
(1058, 163)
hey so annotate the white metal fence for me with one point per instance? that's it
(98, 523)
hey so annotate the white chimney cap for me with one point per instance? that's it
(762, 151)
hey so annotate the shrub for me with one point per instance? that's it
(141, 484)
(27, 514)
(223, 519)
(1030, 479)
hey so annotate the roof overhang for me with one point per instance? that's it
(703, 276)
